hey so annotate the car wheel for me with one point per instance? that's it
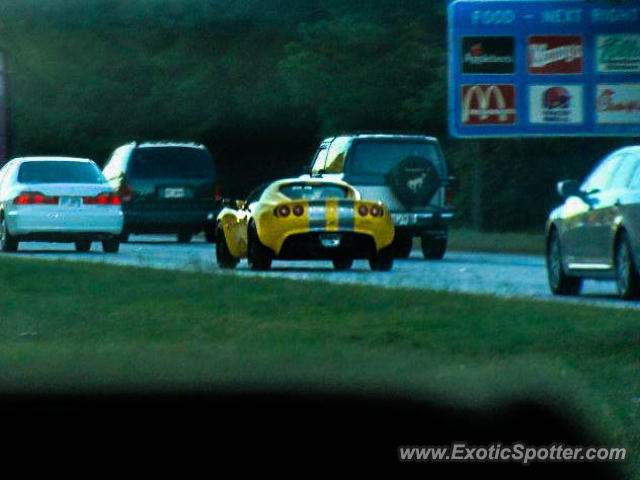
(111, 245)
(259, 257)
(223, 255)
(83, 245)
(382, 260)
(184, 237)
(7, 242)
(402, 245)
(342, 263)
(433, 248)
(559, 282)
(627, 277)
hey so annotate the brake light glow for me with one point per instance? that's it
(217, 196)
(34, 198)
(104, 198)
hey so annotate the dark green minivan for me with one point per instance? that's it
(165, 187)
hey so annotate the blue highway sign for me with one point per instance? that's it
(544, 68)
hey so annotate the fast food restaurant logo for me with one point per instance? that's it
(556, 98)
(618, 53)
(488, 104)
(554, 54)
(488, 55)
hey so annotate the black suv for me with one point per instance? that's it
(165, 187)
(408, 173)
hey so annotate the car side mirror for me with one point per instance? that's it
(569, 188)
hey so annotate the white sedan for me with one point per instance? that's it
(57, 199)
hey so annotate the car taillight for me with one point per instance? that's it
(217, 195)
(104, 198)
(449, 196)
(34, 198)
(376, 211)
(298, 210)
(363, 210)
(283, 211)
(125, 192)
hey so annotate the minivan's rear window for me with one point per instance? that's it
(171, 162)
(378, 157)
(44, 171)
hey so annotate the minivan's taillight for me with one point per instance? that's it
(217, 193)
(125, 192)
(34, 198)
(104, 198)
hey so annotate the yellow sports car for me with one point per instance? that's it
(305, 219)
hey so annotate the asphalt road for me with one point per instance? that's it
(497, 274)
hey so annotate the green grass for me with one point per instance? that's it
(504, 242)
(109, 327)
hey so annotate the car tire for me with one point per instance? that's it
(342, 263)
(433, 248)
(7, 242)
(223, 255)
(111, 245)
(402, 246)
(382, 260)
(401, 176)
(627, 276)
(559, 282)
(259, 257)
(184, 237)
(83, 246)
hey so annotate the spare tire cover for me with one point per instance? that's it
(414, 180)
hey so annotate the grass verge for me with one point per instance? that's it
(79, 326)
(506, 242)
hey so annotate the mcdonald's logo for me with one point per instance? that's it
(488, 104)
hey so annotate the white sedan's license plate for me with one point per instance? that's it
(70, 201)
(330, 240)
(174, 193)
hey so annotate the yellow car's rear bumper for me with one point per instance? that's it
(330, 216)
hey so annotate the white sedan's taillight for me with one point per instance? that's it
(34, 198)
(104, 198)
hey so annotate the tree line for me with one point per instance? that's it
(260, 82)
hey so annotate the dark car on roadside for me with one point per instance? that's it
(408, 173)
(595, 233)
(165, 187)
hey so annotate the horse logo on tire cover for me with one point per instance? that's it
(414, 181)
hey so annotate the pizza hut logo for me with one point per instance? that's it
(488, 104)
(556, 98)
(554, 54)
